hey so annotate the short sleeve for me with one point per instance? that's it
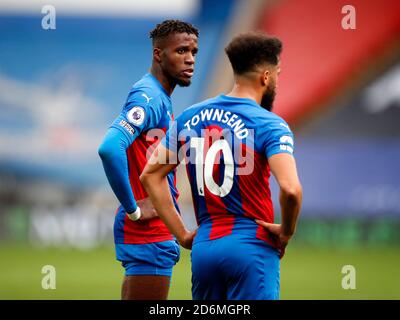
(278, 138)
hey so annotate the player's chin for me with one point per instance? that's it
(184, 82)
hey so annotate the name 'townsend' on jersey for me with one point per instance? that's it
(225, 143)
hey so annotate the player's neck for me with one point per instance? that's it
(245, 91)
(163, 79)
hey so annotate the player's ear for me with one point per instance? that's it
(157, 54)
(265, 77)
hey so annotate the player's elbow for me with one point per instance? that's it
(102, 151)
(144, 178)
(147, 180)
(105, 151)
(293, 192)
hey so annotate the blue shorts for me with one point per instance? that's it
(156, 258)
(235, 268)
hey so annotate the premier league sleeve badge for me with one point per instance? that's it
(136, 115)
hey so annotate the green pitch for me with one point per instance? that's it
(307, 273)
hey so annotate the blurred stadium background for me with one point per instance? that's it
(60, 89)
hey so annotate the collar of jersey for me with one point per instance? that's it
(237, 99)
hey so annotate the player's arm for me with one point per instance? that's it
(154, 179)
(283, 167)
(112, 152)
(137, 116)
(279, 146)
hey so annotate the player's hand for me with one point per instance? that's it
(276, 229)
(146, 208)
(186, 240)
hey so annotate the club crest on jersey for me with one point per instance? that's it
(136, 115)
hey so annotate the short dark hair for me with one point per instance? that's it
(167, 27)
(248, 50)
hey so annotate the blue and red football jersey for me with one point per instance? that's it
(226, 142)
(125, 150)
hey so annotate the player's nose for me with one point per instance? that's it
(189, 59)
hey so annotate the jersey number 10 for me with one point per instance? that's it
(204, 169)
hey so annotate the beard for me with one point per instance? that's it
(268, 98)
(183, 83)
(176, 80)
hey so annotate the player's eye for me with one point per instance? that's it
(181, 51)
